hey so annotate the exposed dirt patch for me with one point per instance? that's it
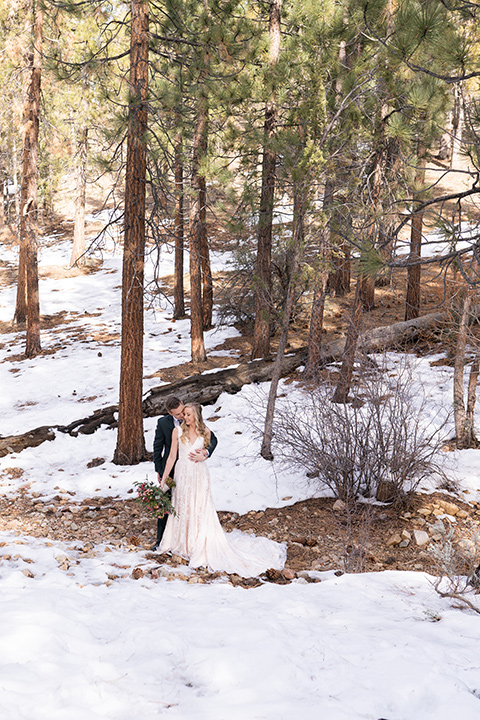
(318, 536)
(59, 272)
(238, 348)
(60, 335)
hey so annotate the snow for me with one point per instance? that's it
(356, 646)
(80, 639)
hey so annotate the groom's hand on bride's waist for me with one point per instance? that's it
(198, 455)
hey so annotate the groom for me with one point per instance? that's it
(162, 445)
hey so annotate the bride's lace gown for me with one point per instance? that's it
(195, 532)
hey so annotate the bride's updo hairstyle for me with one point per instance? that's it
(200, 426)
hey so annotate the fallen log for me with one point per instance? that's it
(88, 425)
(206, 389)
(33, 438)
(387, 336)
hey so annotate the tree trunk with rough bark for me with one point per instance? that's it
(15, 184)
(207, 280)
(457, 124)
(78, 249)
(294, 254)
(2, 201)
(381, 177)
(130, 447)
(346, 372)
(472, 400)
(178, 287)
(263, 278)
(312, 365)
(28, 303)
(196, 305)
(464, 413)
(414, 272)
(339, 280)
(20, 316)
(367, 292)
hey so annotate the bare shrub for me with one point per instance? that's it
(385, 436)
(234, 296)
(456, 566)
(354, 529)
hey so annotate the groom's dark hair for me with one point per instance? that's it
(172, 402)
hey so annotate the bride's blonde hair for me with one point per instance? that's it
(200, 426)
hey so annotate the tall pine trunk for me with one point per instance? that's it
(292, 269)
(312, 364)
(339, 280)
(130, 439)
(464, 412)
(78, 248)
(15, 186)
(3, 177)
(207, 280)
(472, 400)
(457, 124)
(367, 291)
(28, 303)
(178, 287)
(375, 183)
(263, 274)
(196, 305)
(412, 300)
(346, 371)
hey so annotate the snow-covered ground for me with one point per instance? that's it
(371, 646)
(77, 645)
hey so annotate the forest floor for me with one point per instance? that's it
(319, 534)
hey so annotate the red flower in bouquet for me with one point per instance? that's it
(151, 496)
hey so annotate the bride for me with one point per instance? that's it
(195, 532)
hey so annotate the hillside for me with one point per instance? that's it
(96, 625)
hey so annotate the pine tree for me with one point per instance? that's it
(130, 447)
(179, 230)
(464, 412)
(197, 231)
(28, 306)
(261, 333)
(81, 162)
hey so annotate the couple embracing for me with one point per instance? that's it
(182, 444)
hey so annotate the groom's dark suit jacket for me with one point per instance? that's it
(163, 443)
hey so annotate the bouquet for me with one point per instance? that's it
(154, 498)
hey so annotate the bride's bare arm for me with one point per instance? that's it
(172, 456)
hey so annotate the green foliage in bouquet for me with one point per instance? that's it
(151, 496)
